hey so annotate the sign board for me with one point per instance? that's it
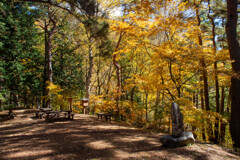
(85, 104)
(70, 99)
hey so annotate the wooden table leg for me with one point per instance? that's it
(47, 117)
(69, 116)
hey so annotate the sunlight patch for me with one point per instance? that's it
(132, 139)
(122, 154)
(100, 145)
(29, 153)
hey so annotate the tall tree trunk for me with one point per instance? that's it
(90, 69)
(98, 89)
(118, 71)
(132, 94)
(215, 139)
(234, 50)
(49, 70)
(1, 102)
(203, 77)
(156, 106)
(62, 68)
(203, 65)
(205, 85)
(222, 123)
(193, 98)
(202, 107)
(229, 100)
(16, 100)
(222, 100)
(49, 51)
(197, 99)
(44, 87)
(49, 32)
(146, 106)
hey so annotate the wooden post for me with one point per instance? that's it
(70, 103)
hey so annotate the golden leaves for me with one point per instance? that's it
(54, 89)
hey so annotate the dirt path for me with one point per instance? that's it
(88, 138)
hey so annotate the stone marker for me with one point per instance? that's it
(178, 137)
(171, 141)
(177, 121)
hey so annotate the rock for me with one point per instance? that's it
(171, 141)
(177, 121)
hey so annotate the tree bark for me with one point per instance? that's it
(146, 105)
(203, 65)
(50, 34)
(203, 78)
(98, 88)
(118, 71)
(234, 50)
(48, 70)
(222, 100)
(215, 139)
(156, 106)
(44, 87)
(222, 123)
(132, 94)
(90, 68)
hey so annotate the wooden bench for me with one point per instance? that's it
(39, 114)
(45, 109)
(52, 115)
(72, 115)
(12, 115)
(107, 116)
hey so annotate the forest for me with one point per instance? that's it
(130, 58)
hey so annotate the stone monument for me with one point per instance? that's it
(179, 137)
(177, 121)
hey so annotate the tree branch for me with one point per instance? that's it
(57, 5)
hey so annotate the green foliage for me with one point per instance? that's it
(67, 67)
(19, 59)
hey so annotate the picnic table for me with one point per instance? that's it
(50, 115)
(107, 116)
(42, 112)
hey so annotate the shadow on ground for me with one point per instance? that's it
(88, 138)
